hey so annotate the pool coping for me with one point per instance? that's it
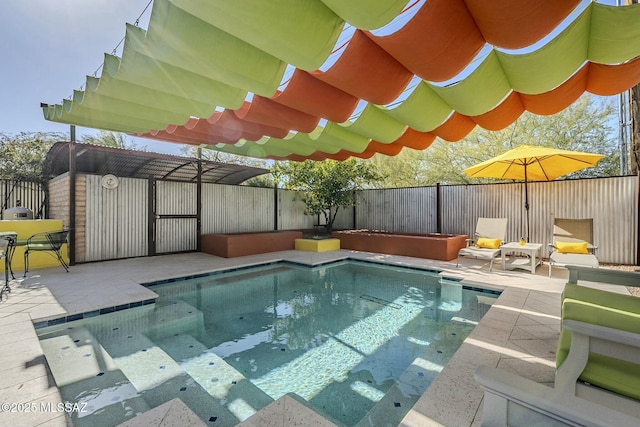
(528, 304)
(38, 324)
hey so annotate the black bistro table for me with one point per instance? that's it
(6, 251)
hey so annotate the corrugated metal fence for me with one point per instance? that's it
(611, 202)
(29, 194)
(117, 220)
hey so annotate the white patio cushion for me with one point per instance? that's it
(586, 260)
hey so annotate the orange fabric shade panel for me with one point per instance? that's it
(417, 140)
(229, 122)
(503, 115)
(340, 155)
(162, 135)
(438, 42)
(312, 96)
(387, 149)
(215, 136)
(318, 156)
(516, 24)
(267, 112)
(608, 80)
(292, 157)
(366, 71)
(200, 129)
(559, 98)
(456, 127)
(221, 127)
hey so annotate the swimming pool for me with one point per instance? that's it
(357, 341)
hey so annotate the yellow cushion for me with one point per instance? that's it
(484, 242)
(572, 247)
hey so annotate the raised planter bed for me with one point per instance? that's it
(317, 245)
(438, 246)
(233, 245)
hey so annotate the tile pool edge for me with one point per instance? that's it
(39, 324)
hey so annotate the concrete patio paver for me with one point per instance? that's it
(517, 334)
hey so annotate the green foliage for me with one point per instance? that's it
(587, 125)
(327, 186)
(22, 155)
(112, 139)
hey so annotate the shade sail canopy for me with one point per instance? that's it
(331, 79)
(99, 160)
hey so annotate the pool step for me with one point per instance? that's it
(393, 406)
(144, 363)
(88, 375)
(174, 317)
(75, 355)
(216, 376)
(157, 376)
(418, 376)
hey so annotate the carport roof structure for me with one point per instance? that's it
(320, 79)
(99, 160)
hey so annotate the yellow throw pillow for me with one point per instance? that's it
(572, 247)
(484, 242)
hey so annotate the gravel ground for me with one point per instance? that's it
(635, 291)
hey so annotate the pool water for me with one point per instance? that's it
(358, 342)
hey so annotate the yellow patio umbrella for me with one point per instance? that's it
(533, 163)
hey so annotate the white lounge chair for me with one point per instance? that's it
(598, 377)
(486, 228)
(569, 235)
(510, 400)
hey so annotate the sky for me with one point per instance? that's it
(48, 47)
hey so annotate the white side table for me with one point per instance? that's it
(532, 250)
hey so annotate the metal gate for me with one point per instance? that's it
(173, 217)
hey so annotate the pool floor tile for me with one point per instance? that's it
(285, 412)
(171, 413)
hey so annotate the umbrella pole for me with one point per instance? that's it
(526, 199)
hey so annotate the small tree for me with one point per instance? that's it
(327, 185)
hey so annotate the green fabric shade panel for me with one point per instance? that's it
(277, 79)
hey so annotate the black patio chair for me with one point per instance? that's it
(50, 242)
(4, 253)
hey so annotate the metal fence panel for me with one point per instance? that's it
(344, 218)
(27, 194)
(176, 235)
(232, 209)
(176, 198)
(611, 202)
(291, 212)
(462, 205)
(398, 209)
(116, 219)
(173, 233)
